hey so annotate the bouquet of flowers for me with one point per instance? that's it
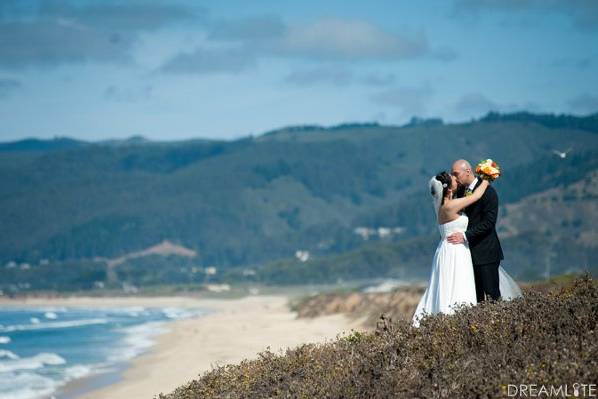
(488, 170)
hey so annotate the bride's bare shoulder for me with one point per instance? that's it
(446, 216)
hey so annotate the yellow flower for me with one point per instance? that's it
(488, 169)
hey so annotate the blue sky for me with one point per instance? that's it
(225, 69)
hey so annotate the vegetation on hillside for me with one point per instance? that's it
(546, 338)
(254, 202)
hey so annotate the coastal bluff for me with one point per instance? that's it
(549, 337)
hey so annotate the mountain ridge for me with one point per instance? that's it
(587, 122)
(253, 201)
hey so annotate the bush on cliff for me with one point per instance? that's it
(545, 338)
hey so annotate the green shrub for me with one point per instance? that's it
(546, 337)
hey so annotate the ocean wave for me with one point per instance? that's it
(180, 313)
(31, 363)
(140, 337)
(78, 371)
(8, 354)
(51, 315)
(25, 385)
(135, 311)
(52, 325)
(137, 340)
(42, 375)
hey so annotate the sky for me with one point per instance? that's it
(173, 70)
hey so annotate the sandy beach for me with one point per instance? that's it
(233, 330)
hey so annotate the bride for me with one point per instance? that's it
(452, 279)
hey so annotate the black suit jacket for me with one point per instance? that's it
(481, 231)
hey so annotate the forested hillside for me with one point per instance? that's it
(329, 192)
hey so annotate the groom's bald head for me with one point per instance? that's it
(462, 164)
(462, 171)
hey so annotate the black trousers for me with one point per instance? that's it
(486, 281)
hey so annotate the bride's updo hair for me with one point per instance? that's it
(445, 179)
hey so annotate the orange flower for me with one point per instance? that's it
(488, 169)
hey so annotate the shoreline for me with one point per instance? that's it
(229, 331)
(239, 329)
(114, 301)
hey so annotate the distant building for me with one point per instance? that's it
(364, 232)
(303, 256)
(130, 288)
(218, 287)
(382, 232)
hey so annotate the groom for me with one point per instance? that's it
(486, 252)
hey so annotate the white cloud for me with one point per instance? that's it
(341, 39)
(62, 32)
(325, 40)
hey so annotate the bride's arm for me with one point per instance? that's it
(458, 204)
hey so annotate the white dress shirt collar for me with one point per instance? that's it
(472, 185)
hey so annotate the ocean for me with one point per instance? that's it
(44, 348)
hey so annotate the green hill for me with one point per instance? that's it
(257, 200)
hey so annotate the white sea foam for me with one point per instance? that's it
(137, 340)
(135, 311)
(180, 313)
(52, 325)
(173, 313)
(21, 384)
(34, 320)
(51, 315)
(78, 371)
(8, 354)
(31, 363)
(33, 372)
(25, 385)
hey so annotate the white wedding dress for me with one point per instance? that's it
(452, 282)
